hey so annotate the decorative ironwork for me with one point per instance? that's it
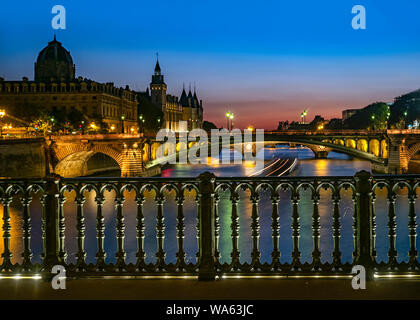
(207, 189)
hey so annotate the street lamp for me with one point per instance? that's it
(2, 114)
(231, 121)
(227, 120)
(122, 123)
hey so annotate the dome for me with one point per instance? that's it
(54, 63)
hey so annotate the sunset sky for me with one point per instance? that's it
(264, 60)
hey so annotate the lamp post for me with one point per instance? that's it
(141, 122)
(227, 120)
(231, 121)
(2, 114)
(122, 123)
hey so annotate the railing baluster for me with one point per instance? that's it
(80, 225)
(412, 227)
(61, 228)
(120, 227)
(355, 242)
(26, 225)
(197, 228)
(316, 253)
(255, 231)
(392, 230)
(180, 227)
(275, 227)
(373, 227)
(295, 231)
(100, 233)
(160, 233)
(364, 199)
(216, 228)
(207, 266)
(336, 231)
(140, 228)
(235, 264)
(7, 254)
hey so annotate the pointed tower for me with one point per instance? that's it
(184, 99)
(158, 88)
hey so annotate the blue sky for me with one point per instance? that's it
(264, 60)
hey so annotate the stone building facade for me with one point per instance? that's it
(55, 85)
(187, 108)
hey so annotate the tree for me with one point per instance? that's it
(150, 116)
(207, 126)
(373, 117)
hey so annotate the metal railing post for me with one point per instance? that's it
(51, 225)
(207, 261)
(364, 226)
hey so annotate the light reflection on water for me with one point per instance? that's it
(338, 164)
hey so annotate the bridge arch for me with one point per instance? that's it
(153, 153)
(384, 149)
(351, 143)
(146, 152)
(75, 164)
(411, 152)
(375, 147)
(362, 145)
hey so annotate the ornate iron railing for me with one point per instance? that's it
(207, 189)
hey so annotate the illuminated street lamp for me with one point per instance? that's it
(122, 123)
(227, 119)
(231, 121)
(2, 114)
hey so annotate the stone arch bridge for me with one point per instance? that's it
(68, 156)
(389, 151)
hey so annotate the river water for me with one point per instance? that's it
(336, 165)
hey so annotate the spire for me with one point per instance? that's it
(157, 67)
(189, 91)
(184, 99)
